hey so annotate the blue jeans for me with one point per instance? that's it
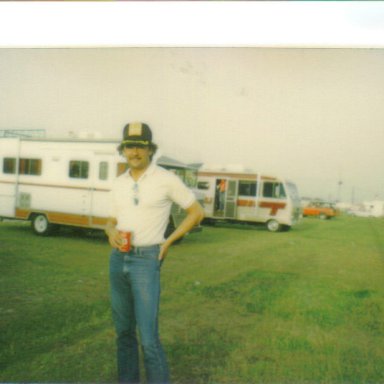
(135, 296)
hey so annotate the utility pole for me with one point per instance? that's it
(339, 184)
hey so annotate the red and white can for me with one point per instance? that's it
(126, 241)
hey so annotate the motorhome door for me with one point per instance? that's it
(231, 199)
(106, 170)
(9, 150)
(8, 191)
(225, 201)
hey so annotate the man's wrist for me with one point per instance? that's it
(108, 230)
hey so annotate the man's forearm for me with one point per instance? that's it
(110, 226)
(194, 216)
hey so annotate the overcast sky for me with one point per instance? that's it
(313, 114)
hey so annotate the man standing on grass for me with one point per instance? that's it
(141, 201)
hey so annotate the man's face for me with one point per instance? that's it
(138, 157)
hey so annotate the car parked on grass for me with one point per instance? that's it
(321, 209)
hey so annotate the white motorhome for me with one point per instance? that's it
(374, 207)
(249, 197)
(54, 182)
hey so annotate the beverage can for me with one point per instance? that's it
(126, 241)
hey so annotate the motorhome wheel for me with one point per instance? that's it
(273, 225)
(41, 225)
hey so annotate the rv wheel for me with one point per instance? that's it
(273, 226)
(323, 216)
(41, 225)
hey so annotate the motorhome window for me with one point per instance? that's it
(274, 190)
(30, 167)
(179, 172)
(191, 178)
(247, 188)
(292, 191)
(103, 170)
(9, 165)
(203, 185)
(78, 169)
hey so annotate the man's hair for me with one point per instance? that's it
(153, 148)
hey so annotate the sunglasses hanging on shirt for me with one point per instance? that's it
(136, 194)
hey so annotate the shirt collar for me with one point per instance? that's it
(148, 171)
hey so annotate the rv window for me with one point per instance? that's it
(274, 190)
(9, 165)
(103, 170)
(191, 178)
(203, 185)
(179, 172)
(78, 169)
(30, 167)
(247, 188)
(292, 191)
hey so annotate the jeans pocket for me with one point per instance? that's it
(152, 253)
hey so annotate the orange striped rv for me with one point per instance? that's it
(54, 182)
(249, 197)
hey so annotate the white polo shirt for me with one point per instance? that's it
(154, 193)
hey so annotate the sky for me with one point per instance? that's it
(308, 107)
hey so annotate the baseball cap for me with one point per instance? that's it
(137, 133)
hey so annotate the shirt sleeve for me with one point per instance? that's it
(179, 193)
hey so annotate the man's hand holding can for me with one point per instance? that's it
(125, 241)
(114, 238)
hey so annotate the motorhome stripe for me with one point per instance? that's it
(58, 186)
(246, 203)
(241, 176)
(274, 206)
(64, 218)
(252, 203)
(233, 175)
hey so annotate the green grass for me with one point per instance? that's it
(239, 305)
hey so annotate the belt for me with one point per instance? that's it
(144, 248)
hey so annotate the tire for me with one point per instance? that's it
(273, 226)
(41, 226)
(285, 228)
(323, 216)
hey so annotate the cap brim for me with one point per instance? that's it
(141, 142)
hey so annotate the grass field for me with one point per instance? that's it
(239, 305)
